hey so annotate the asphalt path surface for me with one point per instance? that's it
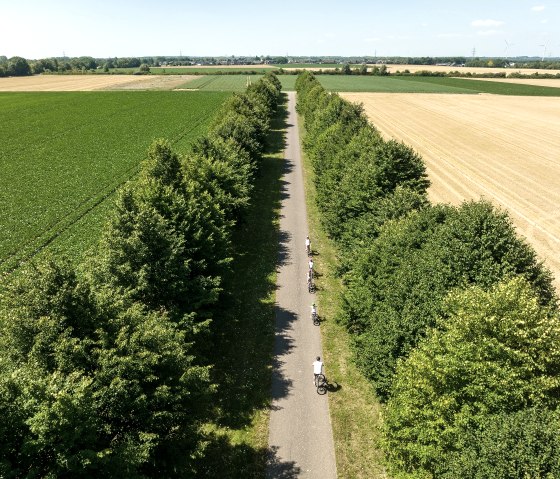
(300, 435)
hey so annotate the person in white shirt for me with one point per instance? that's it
(308, 245)
(311, 266)
(317, 368)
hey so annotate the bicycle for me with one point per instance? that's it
(310, 285)
(315, 318)
(321, 384)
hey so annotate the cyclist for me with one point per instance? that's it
(309, 279)
(317, 368)
(311, 266)
(308, 245)
(313, 310)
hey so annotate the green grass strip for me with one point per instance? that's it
(354, 408)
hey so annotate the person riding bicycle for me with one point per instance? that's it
(317, 368)
(307, 245)
(309, 278)
(313, 310)
(310, 265)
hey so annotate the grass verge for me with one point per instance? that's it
(238, 437)
(354, 409)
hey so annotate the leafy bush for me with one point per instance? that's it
(493, 352)
(515, 445)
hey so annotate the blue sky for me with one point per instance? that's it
(104, 28)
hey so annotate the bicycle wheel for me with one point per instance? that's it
(316, 320)
(322, 389)
(319, 379)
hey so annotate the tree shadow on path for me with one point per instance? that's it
(244, 328)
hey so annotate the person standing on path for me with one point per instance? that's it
(308, 246)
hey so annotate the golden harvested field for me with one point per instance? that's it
(504, 148)
(441, 68)
(92, 82)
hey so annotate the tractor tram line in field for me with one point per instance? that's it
(38, 243)
(65, 211)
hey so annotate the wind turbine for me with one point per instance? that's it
(507, 48)
(544, 51)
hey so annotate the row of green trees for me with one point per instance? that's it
(14, 66)
(105, 367)
(452, 317)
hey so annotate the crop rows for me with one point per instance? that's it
(63, 154)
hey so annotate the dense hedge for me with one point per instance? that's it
(104, 370)
(404, 262)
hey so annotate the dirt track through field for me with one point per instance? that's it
(300, 435)
(503, 148)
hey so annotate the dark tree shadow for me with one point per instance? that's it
(283, 250)
(278, 469)
(282, 347)
(239, 461)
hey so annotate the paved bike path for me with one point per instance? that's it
(300, 434)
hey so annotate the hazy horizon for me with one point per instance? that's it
(105, 29)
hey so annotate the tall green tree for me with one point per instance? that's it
(167, 242)
(88, 391)
(493, 351)
(397, 285)
(17, 67)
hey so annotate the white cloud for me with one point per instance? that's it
(487, 33)
(449, 35)
(372, 39)
(487, 23)
(538, 8)
(544, 21)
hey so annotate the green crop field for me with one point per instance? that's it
(384, 84)
(312, 65)
(197, 70)
(481, 86)
(417, 84)
(194, 70)
(64, 154)
(221, 82)
(233, 82)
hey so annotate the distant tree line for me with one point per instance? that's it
(451, 315)
(18, 66)
(105, 368)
